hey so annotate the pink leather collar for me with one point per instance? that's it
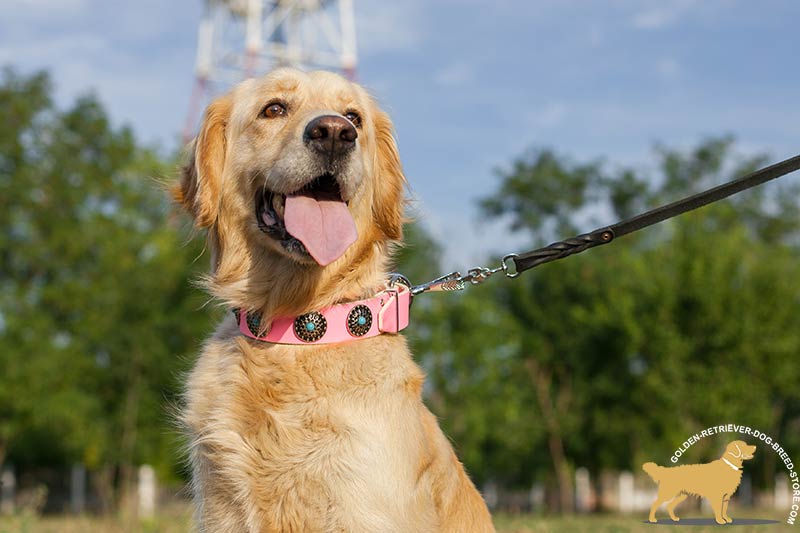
(386, 312)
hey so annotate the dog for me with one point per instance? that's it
(296, 180)
(716, 481)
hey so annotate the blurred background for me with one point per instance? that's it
(519, 123)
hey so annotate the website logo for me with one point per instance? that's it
(717, 480)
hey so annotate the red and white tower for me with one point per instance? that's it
(237, 39)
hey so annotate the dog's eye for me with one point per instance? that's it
(273, 110)
(353, 117)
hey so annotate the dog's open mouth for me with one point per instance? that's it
(313, 221)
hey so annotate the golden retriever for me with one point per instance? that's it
(318, 437)
(716, 481)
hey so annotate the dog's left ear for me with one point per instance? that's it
(199, 188)
(388, 204)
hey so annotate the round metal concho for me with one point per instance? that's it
(253, 323)
(310, 327)
(359, 320)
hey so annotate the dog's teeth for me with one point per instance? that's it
(278, 204)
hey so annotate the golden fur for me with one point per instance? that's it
(715, 481)
(319, 437)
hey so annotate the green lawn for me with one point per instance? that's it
(631, 523)
(178, 521)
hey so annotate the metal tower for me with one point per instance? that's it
(237, 39)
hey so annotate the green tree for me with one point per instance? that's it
(612, 356)
(96, 307)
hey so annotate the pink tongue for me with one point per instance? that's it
(324, 226)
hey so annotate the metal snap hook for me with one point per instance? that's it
(506, 269)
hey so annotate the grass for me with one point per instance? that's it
(177, 520)
(629, 523)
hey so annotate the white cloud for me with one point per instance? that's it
(388, 26)
(661, 14)
(596, 37)
(467, 239)
(137, 56)
(23, 8)
(52, 49)
(552, 114)
(668, 68)
(455, 74)
(652, 19)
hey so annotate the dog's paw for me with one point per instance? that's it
(675, 518)
(720, 521)
(728, 519)
(652, 520)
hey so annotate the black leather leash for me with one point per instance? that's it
(561, 249)
(575, 245)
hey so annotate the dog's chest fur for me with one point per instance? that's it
(311, 437)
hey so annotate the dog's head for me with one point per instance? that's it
(297, 178)
(738, 451)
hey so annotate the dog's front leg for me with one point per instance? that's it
(725, 500)
(214, 509)
(717, 504)
(460, 507)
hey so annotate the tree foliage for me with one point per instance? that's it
(96, 308)
(616, 356)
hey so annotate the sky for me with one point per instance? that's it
(471, 85)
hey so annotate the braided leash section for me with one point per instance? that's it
(454, 285)
(565, 248)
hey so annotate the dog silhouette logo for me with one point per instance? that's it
(716, 481)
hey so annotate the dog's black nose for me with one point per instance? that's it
(330, 134)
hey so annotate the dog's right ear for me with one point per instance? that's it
(199, 188)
